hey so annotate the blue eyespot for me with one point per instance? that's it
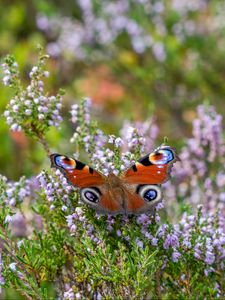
(65, 163)
(168, 155)
(91, 196)
(161, 157)
(150, 195)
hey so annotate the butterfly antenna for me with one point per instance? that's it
(165, 141)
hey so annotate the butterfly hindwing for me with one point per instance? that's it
(140, 198)
(103, 199)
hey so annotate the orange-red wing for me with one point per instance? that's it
(77, 173)
(134, 203)
(111, 203)
(154, 168)
(137, 205)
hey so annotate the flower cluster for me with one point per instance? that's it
(207, 135)
(208, 243)
(56, 190)
(77, 220)
(112, 154)
(87, 134)
(141, 135)
(31, 110)
(200, 175)
(13, 197)
(200, 238)
(102, 25)
(16, 192)
(69, 295)
(75, 36)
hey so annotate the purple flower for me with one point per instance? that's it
(118, 232)
(209, 257)
(154, 241)
(172, 240)
(143, 219)
(69, 295)
(139, 243)
(162, 230)
(175, 255)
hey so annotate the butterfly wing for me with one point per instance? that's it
(77, 173)
(94, 187)
(143, 179)
(140, 198)
(154, 168)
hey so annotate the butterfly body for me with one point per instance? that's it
(135, 191)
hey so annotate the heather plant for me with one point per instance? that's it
(54, 246)
(200, 173)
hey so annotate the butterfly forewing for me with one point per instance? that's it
(77, 173)
(153, 168)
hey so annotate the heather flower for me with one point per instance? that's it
(143, 219)
(139, 133)
(172, 240)
(203, 154)
(118, 232)
(86, 134)
(110, 221)
(78, 296)
(92, 29)
(8, 219)
(162, 230)
(154, 241)
(69, 295)
(139, 243)
(100, 26)
(209, 258)
(12, 266)
(18, 225)
(175, 256)
(55, 188)
(31, 106)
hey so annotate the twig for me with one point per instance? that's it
(158, 288)
(41, 139)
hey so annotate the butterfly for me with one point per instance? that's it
(137, 190)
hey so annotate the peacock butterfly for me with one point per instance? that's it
(135, 191)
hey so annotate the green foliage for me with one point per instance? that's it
(51, 245)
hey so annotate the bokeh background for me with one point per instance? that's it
(136, 59)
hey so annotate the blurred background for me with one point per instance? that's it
(136, 59)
